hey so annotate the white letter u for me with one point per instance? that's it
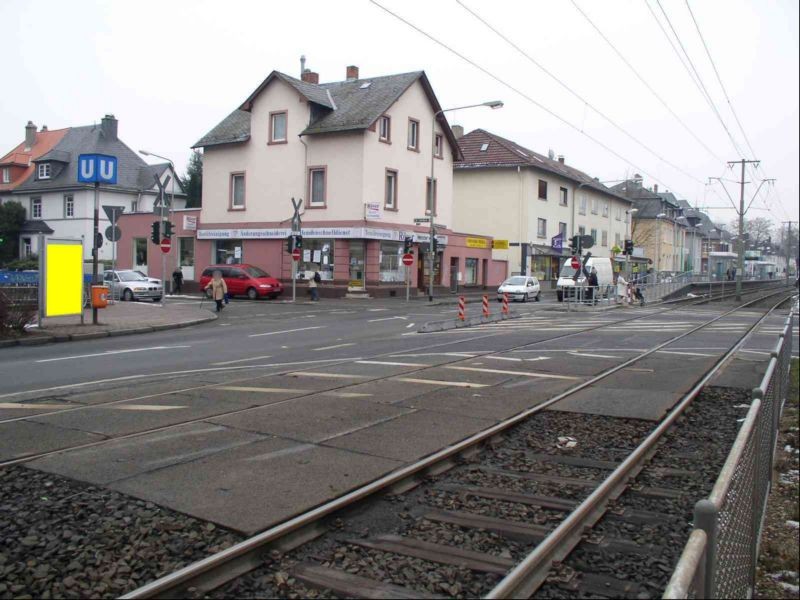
(106, 169)
(87, 169)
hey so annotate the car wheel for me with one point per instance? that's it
(127, 295)
(252, 293)
(157, 299)
(537, 298)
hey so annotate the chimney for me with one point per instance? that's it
(655, 188)
(44, 128)
(302, 64)
(561, 158)
(108, 125)
(637, 181)
(310, 76)
(458, 131)
(352, 73)
(30, 135)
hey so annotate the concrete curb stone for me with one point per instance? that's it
(437, 326)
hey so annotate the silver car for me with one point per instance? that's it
(130, 285)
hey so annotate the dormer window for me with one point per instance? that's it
(44, 171)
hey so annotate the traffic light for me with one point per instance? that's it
(155, 232)
(407, 242)
(434, 244)
(298, 241)
(628, 247)
(169, 229)
(289, 244)
(575, 244)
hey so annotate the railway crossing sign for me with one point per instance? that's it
(408, 259)
(166, 245)
(296, 254)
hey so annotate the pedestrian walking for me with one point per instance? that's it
(313, 284)
(177, 280)
(622, 290)
(593, 285)
(219, 289)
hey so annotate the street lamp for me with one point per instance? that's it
(493, 104)
(171, 216)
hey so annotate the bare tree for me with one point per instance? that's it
(758, 230)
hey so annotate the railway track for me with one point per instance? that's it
(579, 491)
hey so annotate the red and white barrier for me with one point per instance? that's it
(505, 304)
(462, 302)
(486, 306)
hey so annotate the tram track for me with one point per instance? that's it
(211, 572)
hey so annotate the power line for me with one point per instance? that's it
(645, 83)
(517, 91)
(574, 93)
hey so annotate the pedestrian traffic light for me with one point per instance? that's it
(298, 241)
(155, 232)
(628, 247)
(407, 242)
(169, 229)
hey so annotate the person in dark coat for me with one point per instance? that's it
(177, 280)
(593, 284)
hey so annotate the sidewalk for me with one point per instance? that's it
(122, 318)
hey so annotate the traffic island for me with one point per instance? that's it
(437, 326)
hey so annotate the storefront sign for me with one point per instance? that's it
(500, 244)
(373, 210)
(477, 242)
(424, 238)
(369, 233)
(190, 222)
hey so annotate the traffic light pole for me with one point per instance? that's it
(163, 257)
(95, 247)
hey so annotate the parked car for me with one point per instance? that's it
(244, 280)
(519, 287)
(130, 285)
(150, 279)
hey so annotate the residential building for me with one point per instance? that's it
(509, 192)
(44, 179)
(358, 152)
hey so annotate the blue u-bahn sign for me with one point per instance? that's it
(97, 168)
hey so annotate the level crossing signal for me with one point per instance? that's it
(155, 232)
(294, 242)
(579, 243)
(169, 229)
(407, 243)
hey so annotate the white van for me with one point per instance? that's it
(565, 283)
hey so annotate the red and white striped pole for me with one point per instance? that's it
(486, 306)
(461, 307)
(505, 304)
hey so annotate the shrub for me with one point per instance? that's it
(18, 307)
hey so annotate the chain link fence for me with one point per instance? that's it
(720, 559)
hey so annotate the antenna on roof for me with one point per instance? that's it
(302, 64)
(550, 154)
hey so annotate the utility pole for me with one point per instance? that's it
(788, 242)
(741, 211)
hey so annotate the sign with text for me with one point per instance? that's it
(190, 222)
(500, 244)
(97, 168)
(477, 242)
(373, 210)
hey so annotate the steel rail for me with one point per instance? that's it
(243, 556)
(528, 575)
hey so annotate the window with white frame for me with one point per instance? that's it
(317, 186)
(44, 171)
(6, 175)
(562, 196)
(277, 127)
(430, 195)
(69, 206)
(562, 230)
(390, 202)
(237, 200)
(582, 230)
(617, 240)
(605, 208)
(413, 134)
(385, 129)
(619, 213)
(438, 146)
(604, 241)
(36, 208)
(541, 228)
(594, 206)
(582, 205)
(594, 235)
(27, 246)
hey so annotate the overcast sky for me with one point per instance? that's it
(171, 70)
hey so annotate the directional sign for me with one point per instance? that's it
(422, 220)
(575, 263)
(113, 233)
(97, 168)
(408, 259)
(296, 254)
(113, 212)
(166, 245)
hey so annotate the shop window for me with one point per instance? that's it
(316, 255)
(392, 269)
(471, 271)
(228, 252)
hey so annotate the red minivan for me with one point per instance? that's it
(244, 280)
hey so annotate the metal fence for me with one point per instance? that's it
(720, 558)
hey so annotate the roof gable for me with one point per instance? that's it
(21, 156)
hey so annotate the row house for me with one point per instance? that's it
(358, 152)
(42, 175)
(512, 193)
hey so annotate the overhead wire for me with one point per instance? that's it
(516, 90)
(574, 93)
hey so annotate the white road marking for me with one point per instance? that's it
(345, 394)
(145, 407)
(518, 373)
(333, 347)
(592, 355)
(233, 362)
(21, 405)
(458, 354)
(287, 331)
(326, 375)
(387, 319)
(438, 382)
(109, 353)
(261, 390)
(684, 353)
(389, 364)
(377, 309)
(504, 358)
(640, 370)
(410, 325)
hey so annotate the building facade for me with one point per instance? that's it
(358, 153)
(57, 205)
(512, 193)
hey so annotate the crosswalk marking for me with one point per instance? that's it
(333, 347)
(464, 384)
(145, 407)
(326, 375)
(592, 355)
(261, 390)
(518, 373)
(390, 364)
(21, 405)
(685, 353)
(345, 394)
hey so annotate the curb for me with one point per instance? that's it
(93, 335)
(437, 326)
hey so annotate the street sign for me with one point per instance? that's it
(408, 259)
(419, 220)
(296, 254)
(162, 201)
(500, 244)
(166, 245)
(113, 233)
(97, 168)
(576, 262)
(113, 212)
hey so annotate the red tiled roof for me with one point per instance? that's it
(20, 157)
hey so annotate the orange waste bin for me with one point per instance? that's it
(100, 296)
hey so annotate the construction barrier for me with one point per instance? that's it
(461, 307)
(505, 304)
(486, 306)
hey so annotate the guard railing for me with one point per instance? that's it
(720, 558)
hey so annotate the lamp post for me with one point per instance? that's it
(171, 216)
(659, 217)
(494, 104)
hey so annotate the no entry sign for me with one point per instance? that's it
(166, 245)
(408, 259)
(576, 262)
(296, 254)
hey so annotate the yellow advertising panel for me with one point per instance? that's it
(477, 242)
(63, 290)
(500, 244)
